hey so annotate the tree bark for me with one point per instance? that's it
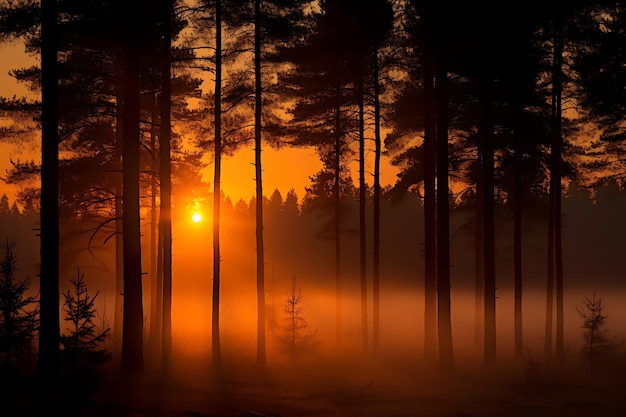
(362, 224)
(215, 330)
(132, 336)
(48, 363)
(430, 205)
(260, 250)
(337, 220)
(444, 325)
(166, 188)
(376, 231)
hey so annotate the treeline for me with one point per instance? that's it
(474, 96)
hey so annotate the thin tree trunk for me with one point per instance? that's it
(479, 256)
(488, 218)
(376, 231)
(118, 314)
(554, 202)
(132, 339)
(517, 231)
(362, 226)
(215, 330)
(444, 325)
(154, 339)
(430, 208)
(260, 251)
(337, 220)
(556, 163)
(48, 364)
(166, 188)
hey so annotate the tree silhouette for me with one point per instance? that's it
(18, 317)
(83, 354)
(49, 328)
(296, 337)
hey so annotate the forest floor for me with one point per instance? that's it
(349, 390)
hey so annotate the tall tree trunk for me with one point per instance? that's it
(554, 221)
(118, 314)
(48, 364)
(486, 134)
(517, 229)
(444, 325)
(479, 255)
(166, 187)
(337, 219)
(260, 250)
(215, 328)
(376, 220)
(362, 226)
(430, 209)
(132, 339)
(155, 331)
(556, 156)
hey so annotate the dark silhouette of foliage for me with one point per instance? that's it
(597, 341)
(83, 355)
(18, 315)
(296, 335)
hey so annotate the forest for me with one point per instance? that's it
(485, 280)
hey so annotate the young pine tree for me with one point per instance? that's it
(296, 336)
(83, 355)
(18, 316)
(597, 341)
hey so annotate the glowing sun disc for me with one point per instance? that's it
(197, 218)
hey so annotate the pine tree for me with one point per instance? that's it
(297, 336)
(597, 340)
(18, 315)
(83, 352)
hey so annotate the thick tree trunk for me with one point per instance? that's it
(260, 250)
(132, 339)
(48, 361)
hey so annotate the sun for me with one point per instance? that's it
(196, 218)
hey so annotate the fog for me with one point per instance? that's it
(330, 378)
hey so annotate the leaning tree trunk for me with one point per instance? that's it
(166, 189)
(48, 364)
(260, 250)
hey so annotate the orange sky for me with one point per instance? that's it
(284, 169)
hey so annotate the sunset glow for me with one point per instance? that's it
(196, 217)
